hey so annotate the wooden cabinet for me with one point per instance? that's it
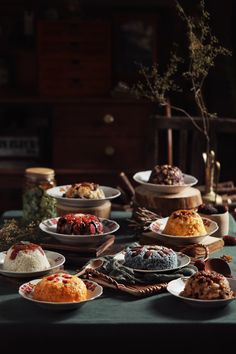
(74, 58)
(90, 139)
(101, 139)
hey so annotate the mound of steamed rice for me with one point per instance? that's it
(26, 260)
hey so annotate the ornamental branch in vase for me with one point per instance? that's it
(203, 49)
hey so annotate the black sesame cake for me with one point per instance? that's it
(167, 175)
(150, 258)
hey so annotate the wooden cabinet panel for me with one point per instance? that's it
(107, 136)
(110, 153)
(105, 119)
(74, 58)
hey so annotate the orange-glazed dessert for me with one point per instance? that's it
(60, 287)
(185, 223)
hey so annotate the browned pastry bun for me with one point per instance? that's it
(185, 223)
(166, 174)
(60, 287)
(207, 286)
(85, 190)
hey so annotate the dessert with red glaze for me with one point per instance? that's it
(25, 257)
(167, 175)
(79, 224)
(60, 287)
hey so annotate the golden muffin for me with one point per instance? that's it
(185, 223)
(60, 287)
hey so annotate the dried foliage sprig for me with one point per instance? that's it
(203, 49)
(15, 231)
(142, 220)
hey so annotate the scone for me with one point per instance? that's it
(60, 287)
(207, 286)
(185, 223)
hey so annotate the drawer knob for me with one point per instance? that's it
(109, 150)
(108, 119)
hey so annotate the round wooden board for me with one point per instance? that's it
(165, 204)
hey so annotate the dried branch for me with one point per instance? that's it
(203, 49)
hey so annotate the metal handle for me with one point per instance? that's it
(108, 119)
(109, 150)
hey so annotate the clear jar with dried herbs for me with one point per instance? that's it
(37, 204)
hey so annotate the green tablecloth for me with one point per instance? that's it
(152, 323)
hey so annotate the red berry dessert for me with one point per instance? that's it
(79, 224)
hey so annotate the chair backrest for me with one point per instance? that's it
(188, 142)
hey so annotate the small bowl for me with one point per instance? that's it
(222, 221)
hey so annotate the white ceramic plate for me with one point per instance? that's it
(176, 286)
(57, 193)
(55, 259)
(50, 225)
(26, 291)
(158, 226)
(183, 260)
(142, 177)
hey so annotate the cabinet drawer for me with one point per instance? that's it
(107, 120)
(62, 30)
(73, 86)
(110, 153)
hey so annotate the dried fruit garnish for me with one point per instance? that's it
(229, 240)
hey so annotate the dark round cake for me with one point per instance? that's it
(167, 175)
(79, 224)
(150, 258)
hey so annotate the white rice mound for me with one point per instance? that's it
(26, 261)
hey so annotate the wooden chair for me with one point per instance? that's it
(189, 144)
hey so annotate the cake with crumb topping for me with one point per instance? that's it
(84, 190)
(150, 257)
(60, 287)
(185, 223)
(207, 286)
(167, 175)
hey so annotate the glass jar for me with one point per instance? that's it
(37, 205)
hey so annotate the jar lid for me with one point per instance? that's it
(40, 171)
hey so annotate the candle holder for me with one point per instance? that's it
(212, 174)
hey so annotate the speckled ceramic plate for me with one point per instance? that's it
(142, 177)
(26, 291)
